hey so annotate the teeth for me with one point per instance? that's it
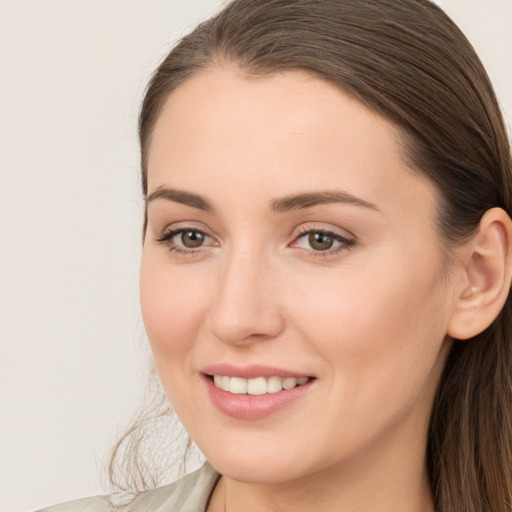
(238, 385)
(274, 385)
(289, 383)
(257, 386)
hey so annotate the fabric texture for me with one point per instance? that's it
(190, 494)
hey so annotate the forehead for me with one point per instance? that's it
(277, 134)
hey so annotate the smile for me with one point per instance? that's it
(255, 397)
(258, 385)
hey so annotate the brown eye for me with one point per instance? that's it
(192, 239)
(320, 241)
(184, 240)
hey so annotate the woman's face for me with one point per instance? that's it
(288, 239)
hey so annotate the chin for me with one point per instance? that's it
(256, 471)
(260, 465)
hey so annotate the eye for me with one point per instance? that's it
(322, 241)
(184, 240)
(190, 238)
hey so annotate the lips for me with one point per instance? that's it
(254, 392)
(251, 371)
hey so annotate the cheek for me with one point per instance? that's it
(173, 305)
(377, 326)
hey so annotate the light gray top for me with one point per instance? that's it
(190, 494)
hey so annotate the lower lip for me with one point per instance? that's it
(252, 407)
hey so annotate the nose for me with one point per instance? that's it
(245, 306)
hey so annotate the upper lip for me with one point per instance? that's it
(251, 371)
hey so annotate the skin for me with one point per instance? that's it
(369, 321)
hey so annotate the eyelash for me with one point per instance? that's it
(346, 243)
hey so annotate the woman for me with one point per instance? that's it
(327, 260)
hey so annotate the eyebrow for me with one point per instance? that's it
(307, 200)
(280, 205)
(180, 196)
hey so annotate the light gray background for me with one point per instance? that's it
(72, 361)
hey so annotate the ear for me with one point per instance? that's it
(486, 276)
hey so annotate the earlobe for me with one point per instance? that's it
(487, 262)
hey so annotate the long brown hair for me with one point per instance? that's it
(407, 61)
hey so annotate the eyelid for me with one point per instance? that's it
(183, 226)
(323, 228)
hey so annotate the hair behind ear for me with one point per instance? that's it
(470, 435)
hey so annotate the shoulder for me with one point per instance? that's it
(94, 504)
(190, 494)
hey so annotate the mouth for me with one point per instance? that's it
(259, 385)
(256, 392)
